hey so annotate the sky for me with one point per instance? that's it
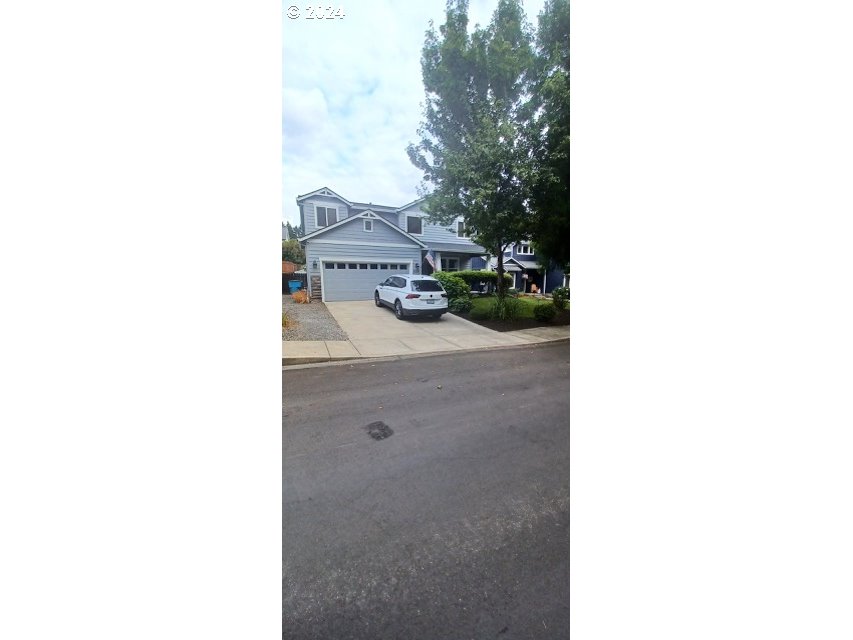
(352, 98)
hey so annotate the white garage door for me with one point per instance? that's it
(357, 280)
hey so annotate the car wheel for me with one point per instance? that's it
(398, 310)
(376, 299)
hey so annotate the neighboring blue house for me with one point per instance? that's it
(521, 263)
(350, 247)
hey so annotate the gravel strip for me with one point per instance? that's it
(310, 322)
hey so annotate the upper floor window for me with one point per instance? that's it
(461, 232)
(368, 225)
(326, 216)
(525, 249)
(414, 225)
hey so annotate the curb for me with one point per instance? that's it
(290, 363)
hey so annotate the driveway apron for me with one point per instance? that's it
(375, 331)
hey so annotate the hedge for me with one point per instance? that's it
(453, 285)
(544, 312)
(472, 277)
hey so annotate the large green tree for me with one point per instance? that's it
(549, 136)
(474, 149)
(294, 231)
(292, 252)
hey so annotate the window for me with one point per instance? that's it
(460, 229)
(414, 225)
(383, 266)
(341, 265)
(362, 266)
(450, 264)
(368, 225)
(426, 285)
(352, 266)
(524, 249)
(373, 265)
(326, 216)
(329, 265)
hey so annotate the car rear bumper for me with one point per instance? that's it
(435, 311)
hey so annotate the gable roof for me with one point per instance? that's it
(513, 264)
(527, 264)
(412, 203)
(372, 205)
(323, 191)
(458, 247)
(369, 215)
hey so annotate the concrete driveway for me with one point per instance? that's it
(375, 331)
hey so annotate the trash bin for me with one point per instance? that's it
(294, 285)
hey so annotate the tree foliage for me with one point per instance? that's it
(549, 135)
(292, 252)
(494, 139)
(293, 231)
(473, 150)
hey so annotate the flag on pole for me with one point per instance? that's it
(431, 259)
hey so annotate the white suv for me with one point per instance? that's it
(412, 296)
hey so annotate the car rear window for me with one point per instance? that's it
(426, 285)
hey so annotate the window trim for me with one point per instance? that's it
(326, 207)
(412, 233)
(524, 245)
(462, 223)
(367, 222)
(450, 270)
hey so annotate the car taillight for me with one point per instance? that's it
(409, 296)
(443, 295)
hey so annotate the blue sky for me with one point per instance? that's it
(351, 98)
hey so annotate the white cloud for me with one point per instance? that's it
(351, 98)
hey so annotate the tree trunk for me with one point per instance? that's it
(500, 270)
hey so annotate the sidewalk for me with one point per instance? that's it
(293, 352)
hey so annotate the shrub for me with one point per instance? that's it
(506, 308)
(545, 312)
(473, 278)
(453, 285)
(512, 291)
(292, 251)
(285, 321)
(560, 296)
(460, 305)
(300, 296)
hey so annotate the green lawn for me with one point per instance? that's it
(526, 305)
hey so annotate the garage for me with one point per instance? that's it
(344, 281)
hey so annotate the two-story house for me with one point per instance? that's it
(350, 246)
(527, 273)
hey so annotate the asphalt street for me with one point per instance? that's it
(428, 498)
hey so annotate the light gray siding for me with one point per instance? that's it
(393, 218)
(389, 216)
(310, 208)
(432, 232)
(353, 231)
